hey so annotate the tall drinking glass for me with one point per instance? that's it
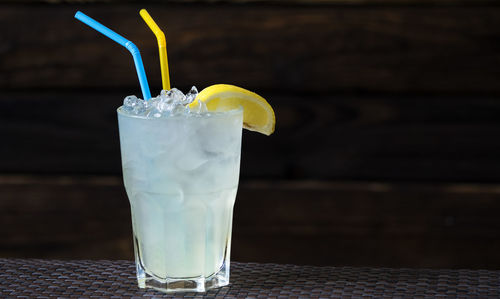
(181, 176)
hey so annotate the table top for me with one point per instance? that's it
(32, 278)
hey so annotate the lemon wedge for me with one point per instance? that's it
(258, 115)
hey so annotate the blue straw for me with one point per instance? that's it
(124, 42)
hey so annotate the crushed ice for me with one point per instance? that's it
(169, 103)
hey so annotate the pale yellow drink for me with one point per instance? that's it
(181, 176)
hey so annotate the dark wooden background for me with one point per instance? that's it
(386, 150)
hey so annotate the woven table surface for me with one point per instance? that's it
(116, 279)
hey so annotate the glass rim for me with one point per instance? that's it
(211, 114)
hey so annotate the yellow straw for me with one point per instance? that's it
(162, 47)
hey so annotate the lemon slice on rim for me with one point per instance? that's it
(258, 115)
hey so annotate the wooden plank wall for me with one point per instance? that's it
(385, 151)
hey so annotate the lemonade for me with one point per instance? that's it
(181, 165)
(181, 174)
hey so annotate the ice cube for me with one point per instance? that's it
(177, 109)
(129, 101)
(165, 96)
(133, 105)
(150, 109)
(153, 113)
(176, 95)
(164, 104)
(168, 103)
(200, 108)
(190, 96)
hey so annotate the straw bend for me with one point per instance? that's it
(162, 47)
(139, 66)
(132, 48)
(160, 36)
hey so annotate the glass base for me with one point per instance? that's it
(188, 284)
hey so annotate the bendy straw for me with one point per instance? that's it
(124, 42)
(162, 47)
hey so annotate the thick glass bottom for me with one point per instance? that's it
(184, 245)
(188, 284)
